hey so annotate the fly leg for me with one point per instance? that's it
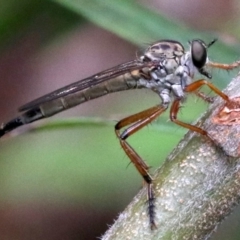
(192, 88)
(136, 122)
(173, 116)
(204, 97)
(224, 66)
(197, 84)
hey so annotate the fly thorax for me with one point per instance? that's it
(164, 50)
(170, 65)
(184, 76)
(187, 63)
(173, 79)
(165, 97)
(158, 73)
(165, 69)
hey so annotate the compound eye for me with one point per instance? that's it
(199, 53)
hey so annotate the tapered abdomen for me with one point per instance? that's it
(47, 109)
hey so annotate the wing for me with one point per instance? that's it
(88, 82)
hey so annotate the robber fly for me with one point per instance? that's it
(165, 68)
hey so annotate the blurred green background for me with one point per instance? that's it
(67, 177)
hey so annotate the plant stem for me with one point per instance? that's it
(196, 187)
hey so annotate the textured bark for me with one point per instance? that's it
(197, 186)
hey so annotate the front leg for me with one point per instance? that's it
(192, 88)
(197, 84)
(224, 66)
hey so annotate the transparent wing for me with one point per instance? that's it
(88, 82)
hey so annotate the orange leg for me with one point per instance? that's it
(136, 122)
(173, 116)
(204, 97)
(197, 84)
(223, 65)
(192, 88)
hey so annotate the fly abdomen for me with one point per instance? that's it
(49, 108)
(120, 83)
(27, 117)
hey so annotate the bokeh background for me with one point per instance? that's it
(67, 177)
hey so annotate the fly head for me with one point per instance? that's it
(199, 55)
